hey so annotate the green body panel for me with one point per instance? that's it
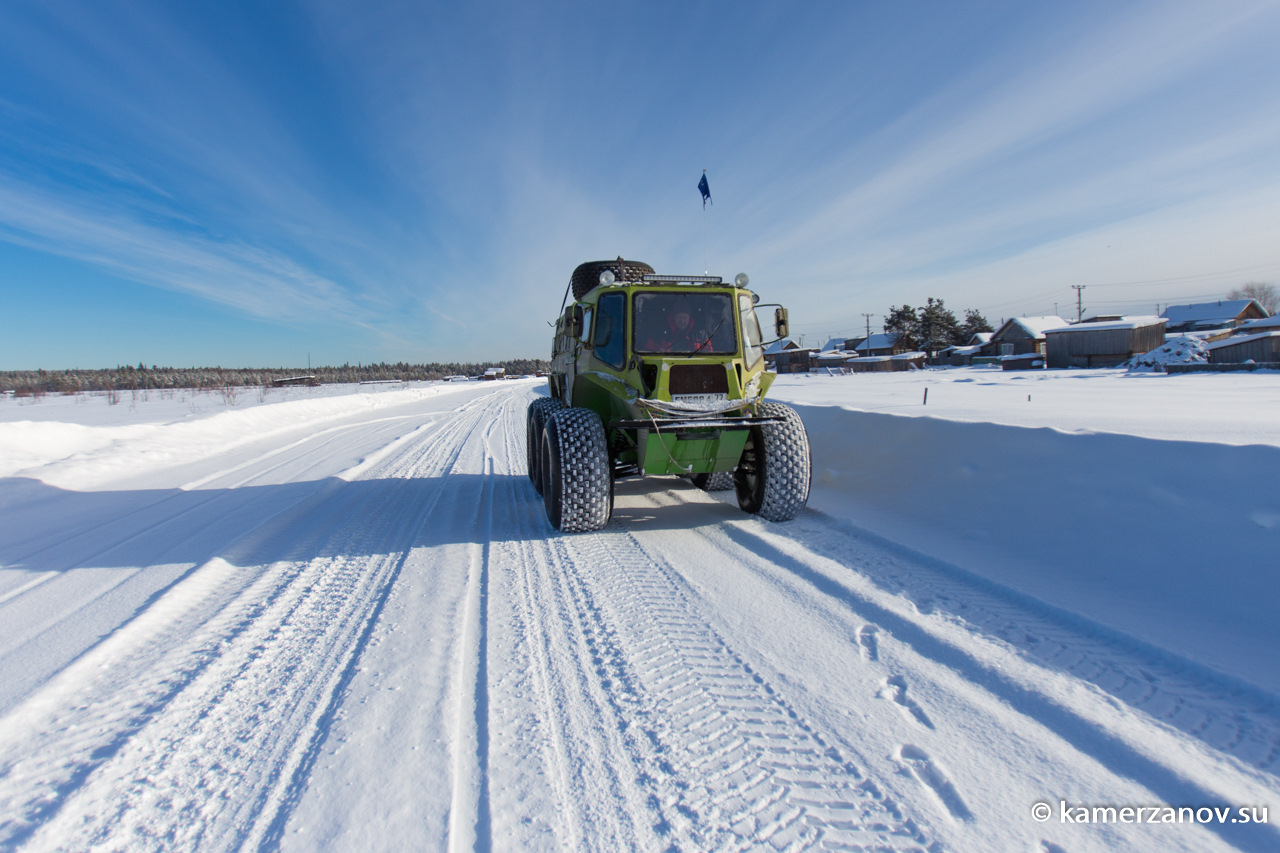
(687, 453)
(580, 378)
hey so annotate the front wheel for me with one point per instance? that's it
(577, 474)
(772, 478)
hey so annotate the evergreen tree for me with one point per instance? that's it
(904, 323)
(973, 323)
(938, 326)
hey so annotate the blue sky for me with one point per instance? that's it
(253, 183)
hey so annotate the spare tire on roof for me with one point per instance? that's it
(587, 275)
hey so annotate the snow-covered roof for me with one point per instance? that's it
(1222, 311)
(1241, 339)
(778, 346)
(884, 340)
(1035, 326)
(906, 356)
(1260, 325)
(834, 344)
(980, 338)
(1125, 323)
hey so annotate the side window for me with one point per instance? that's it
(608, 338)
(751, 339)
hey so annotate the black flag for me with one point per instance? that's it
(706, 189)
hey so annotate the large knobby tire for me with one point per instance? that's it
(535, 421)
(577, 475)
(721, 481)
(772, 478)
(587, 275)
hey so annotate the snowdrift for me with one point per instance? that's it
(1173, 543)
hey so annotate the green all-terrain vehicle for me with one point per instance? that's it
(662, 374)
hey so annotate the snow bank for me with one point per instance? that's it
(78, 456)
(1184, 349)
(1171, 542)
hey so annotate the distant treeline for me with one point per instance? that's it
(142, 378)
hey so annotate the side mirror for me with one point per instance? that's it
(780, 325)
(573, 321)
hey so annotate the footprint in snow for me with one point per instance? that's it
(932, 776)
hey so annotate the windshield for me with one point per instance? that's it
(687, 323)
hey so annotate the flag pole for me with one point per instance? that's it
(705, 189)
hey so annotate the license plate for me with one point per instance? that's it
(700, 399)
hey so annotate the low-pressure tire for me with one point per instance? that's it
(577, 474)
(587, 275)
(772, 478)
(535, 421)
(721, 481)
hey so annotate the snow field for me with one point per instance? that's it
(359, 630)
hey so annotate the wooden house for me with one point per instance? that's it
(885, 363)
(795, 360)
(885, 343)
(1103, 344)
(1021, 335)
(1262, 347)
(1223, 314)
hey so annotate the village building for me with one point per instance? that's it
(1021, 336)
(772, 351)
(1209, 316)
(1261, 347)
(885, 363)
(963, 355)
(885, 343)
(1103, 344)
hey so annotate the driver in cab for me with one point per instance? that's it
(680, 335)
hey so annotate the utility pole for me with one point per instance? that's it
(1079, 288)
(867, 341)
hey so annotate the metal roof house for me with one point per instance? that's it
(1256, 341)
(885, 343)
(1201, 316)
(1103, 344)
(1262, 348)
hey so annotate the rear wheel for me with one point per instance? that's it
(577, 475)
(772, 478)
(535, 421)
(721, 481)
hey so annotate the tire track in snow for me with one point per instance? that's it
(646, 710)
(722, 761)
(744, 768)
(208, 703)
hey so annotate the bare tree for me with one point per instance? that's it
(1267, 294)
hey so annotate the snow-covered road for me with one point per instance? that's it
(363, 634)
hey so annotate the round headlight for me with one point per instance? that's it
(606, 278)
(741, 279)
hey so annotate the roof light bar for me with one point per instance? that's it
(686, 279)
